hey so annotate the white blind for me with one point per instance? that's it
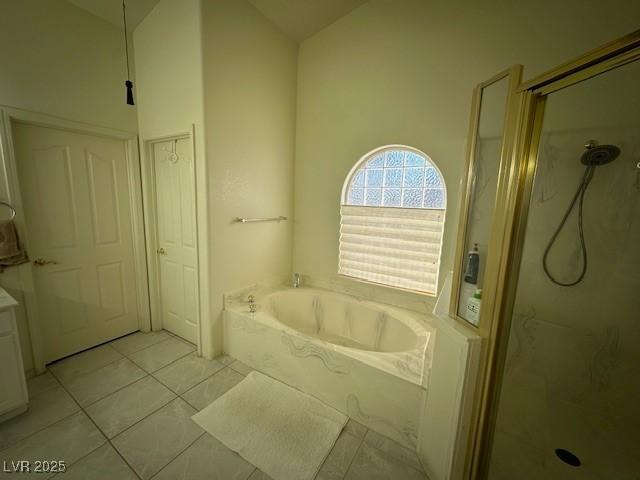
(399, 247)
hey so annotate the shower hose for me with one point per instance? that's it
(578, 197)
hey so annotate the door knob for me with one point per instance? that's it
(41, 262)
(162, 251)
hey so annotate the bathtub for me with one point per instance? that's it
(368, 360)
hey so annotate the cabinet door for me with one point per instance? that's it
(11, 393)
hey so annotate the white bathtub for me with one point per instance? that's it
(368, 360)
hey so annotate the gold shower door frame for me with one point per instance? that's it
(510, 217)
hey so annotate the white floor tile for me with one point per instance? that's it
(161, 354)
(120, 410)
(337, 463)
(241, 368)
(138, 341)
(68, 440)
(206, 392)
(93, 386)
(41, 383)
(187, 372)
(356, 428)
(152, 443)
(83, 363)
(45, 409)
(373, 464)
(394, 449)
(103, 463)
(207, 459)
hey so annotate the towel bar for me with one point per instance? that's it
(257, 220)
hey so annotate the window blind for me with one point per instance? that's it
(399, 247)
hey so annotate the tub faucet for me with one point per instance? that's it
(297, 281)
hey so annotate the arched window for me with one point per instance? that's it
(392, 219)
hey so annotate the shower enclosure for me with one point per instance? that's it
(561, 395)
(568, 404)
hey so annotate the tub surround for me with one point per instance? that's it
(420, 303)
(385, 337)
(431, 416)
(375, 369)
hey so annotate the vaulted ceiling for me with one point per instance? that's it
(299, 19)
(111, 10)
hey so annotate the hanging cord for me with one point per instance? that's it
(128, 83)
(582, 189)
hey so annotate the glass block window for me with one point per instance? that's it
(398, 178)
(392, 220)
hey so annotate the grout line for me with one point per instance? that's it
(353, 459)
(176, 396)
(200, 382)
(53, 423)
(82, 409)
(140, 420)
(40, 430)
(48, 367)
(87, 350)
(171, 337)
(146, 348)
(116, 390)
(164, 366)
(110, 440)
(107, 440)
(139, 349)
(180, 453)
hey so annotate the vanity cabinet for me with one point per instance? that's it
(13, 388)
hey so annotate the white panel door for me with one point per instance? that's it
(77, 209)
(176, 237)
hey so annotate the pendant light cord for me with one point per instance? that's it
(126, 40)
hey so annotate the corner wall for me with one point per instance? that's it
(250, 94)
(221, 65)
(168, 45)
(403, 72)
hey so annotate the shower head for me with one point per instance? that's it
(599, 154)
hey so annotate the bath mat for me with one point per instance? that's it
(285, 433)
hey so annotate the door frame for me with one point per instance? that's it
(150, 217)
(9, 182)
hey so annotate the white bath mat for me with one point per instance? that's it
(285, 433)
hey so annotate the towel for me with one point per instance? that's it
(11, 252)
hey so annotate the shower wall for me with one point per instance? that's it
(573, 363)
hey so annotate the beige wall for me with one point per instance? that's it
(168, 49)
(250, 87)
(60, 60)
(168, 46)
(403, 72)
(222, 66)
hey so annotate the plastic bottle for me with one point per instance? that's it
(473, 265)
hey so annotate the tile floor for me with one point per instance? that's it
(123, 411)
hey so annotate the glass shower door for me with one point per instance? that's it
(570, 395)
